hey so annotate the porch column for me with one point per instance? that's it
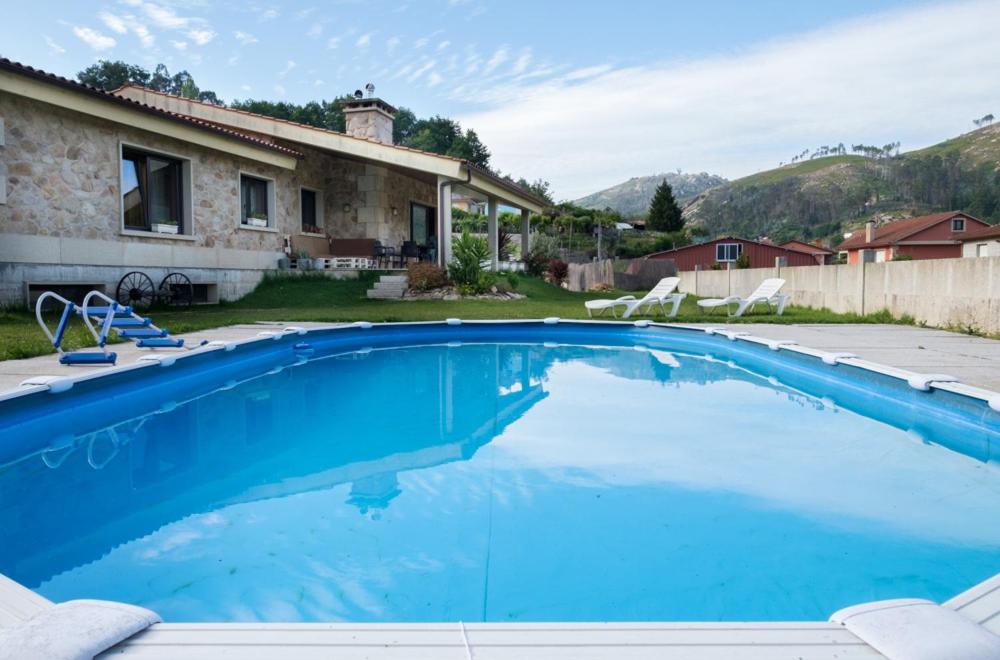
(525, 230)
(444, 223)
(494, 234)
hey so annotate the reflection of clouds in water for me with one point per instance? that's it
(737, 436)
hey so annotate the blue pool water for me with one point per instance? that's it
(524, 474)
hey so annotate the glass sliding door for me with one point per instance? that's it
(422, 225)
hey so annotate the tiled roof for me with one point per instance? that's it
(481, 170)
(37, 74)
(993, 231)
(809, 248)
(723, 239)
(896, 231)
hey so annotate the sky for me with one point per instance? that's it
(582, 94)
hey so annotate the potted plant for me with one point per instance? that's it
(303, 261)
(164, 228)
(257, 219)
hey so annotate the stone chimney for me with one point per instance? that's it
(869, 231)
(369, 118)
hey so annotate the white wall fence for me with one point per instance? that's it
(940, 292)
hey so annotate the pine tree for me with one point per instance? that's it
(664, 213)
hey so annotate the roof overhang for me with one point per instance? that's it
(96, 105)
(346, 145)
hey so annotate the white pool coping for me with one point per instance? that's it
(506, 641)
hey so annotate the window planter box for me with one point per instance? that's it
(159, 228)
(257, 222)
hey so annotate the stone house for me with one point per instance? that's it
(96, 184)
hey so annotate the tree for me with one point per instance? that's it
(110, 76)
(664, 213)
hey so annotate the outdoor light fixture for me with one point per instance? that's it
(347, 208)
(395, 211)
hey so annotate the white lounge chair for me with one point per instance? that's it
(661, 294)
(766, 293)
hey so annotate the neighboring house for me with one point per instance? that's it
(469, 204)
(821, 254)
(982, 242)
(724, 251)
(937, 236)
(95, 184)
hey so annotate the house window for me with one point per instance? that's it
(256, 202)
(152, 192)
(982, 250)
(958, 224)
(311, 206)
(728, 251)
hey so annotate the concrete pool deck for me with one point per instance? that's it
(973, 360)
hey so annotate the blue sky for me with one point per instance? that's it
(583, 94)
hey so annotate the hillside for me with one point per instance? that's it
(822, 197)
(632, 197)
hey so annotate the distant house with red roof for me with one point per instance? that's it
(821, 254)
(982, 242)
(723, 251)
(936, 236)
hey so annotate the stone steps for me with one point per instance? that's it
(389, 287)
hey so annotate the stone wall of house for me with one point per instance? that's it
(63, 198)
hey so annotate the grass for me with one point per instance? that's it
(796, 169)
(318, 298)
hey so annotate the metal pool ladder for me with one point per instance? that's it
(110, 315)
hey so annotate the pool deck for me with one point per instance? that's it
(973, 360)
(497, 641)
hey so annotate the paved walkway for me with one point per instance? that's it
(973, 360)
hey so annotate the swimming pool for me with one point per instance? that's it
(498, 472)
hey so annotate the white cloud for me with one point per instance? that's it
(233, 60)
(434, 79)
(318, 83)
(521, 65)
(392, 43)
(268, 15)
(421, 70)
(165, 17)
(288, 69)
(54, 48)
(871, 80)
(246, 88)
(179, 45)
(244, 38)
(141, 31)
(443, 45)
(333, 42)
(315, 31)
(420, 43)
(94, 39)
(364, 40)
(279, 90)
(499, 57)
(114, 22)
(201, 37)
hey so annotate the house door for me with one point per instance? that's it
(422, 225)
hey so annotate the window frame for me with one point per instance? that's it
(739, 252)
(431, 223)
(272, 214)
(185, 204)
(320, 220)
(955, 226)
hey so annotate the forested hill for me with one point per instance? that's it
(820, 197)
(632, 197)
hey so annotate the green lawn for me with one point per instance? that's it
(317, 298)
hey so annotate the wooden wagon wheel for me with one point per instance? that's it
(136, 290)
(176, 289)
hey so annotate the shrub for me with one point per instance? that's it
(469, 253)
(505, 243)
(425, 276)
(513, 279)
(544, 248)
(558, 271)
(743, 261)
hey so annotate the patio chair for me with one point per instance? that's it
(661, 294)
(766, 293)
(409, 250)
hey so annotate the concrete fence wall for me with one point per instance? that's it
(940, 292)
